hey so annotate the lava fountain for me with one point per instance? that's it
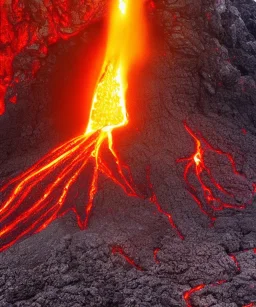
(47, 184)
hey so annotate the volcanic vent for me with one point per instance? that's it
(172, 161)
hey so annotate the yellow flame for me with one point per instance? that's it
(125, 47)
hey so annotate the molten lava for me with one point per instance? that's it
(30, 27)
(211, 196)
(48, 184)
(32, 200)
(53, 176)
(188, 295)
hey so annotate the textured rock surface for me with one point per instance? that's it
(202, 71)
(28, 28)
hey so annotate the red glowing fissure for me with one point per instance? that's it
(153, 199)
(211, 200)
(54, 176)
(155, 252)
(233, 257)
(119, 250)
(187, 295)
(59, 170)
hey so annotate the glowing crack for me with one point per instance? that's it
(210, 196)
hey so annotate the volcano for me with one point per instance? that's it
(136, 122)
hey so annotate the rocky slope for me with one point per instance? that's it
(201, 70)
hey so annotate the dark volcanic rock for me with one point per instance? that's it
(202, 70)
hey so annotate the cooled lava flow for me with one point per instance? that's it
(211, 196)
(48, 183)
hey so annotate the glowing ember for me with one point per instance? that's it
(196, 165)
(53, 176)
